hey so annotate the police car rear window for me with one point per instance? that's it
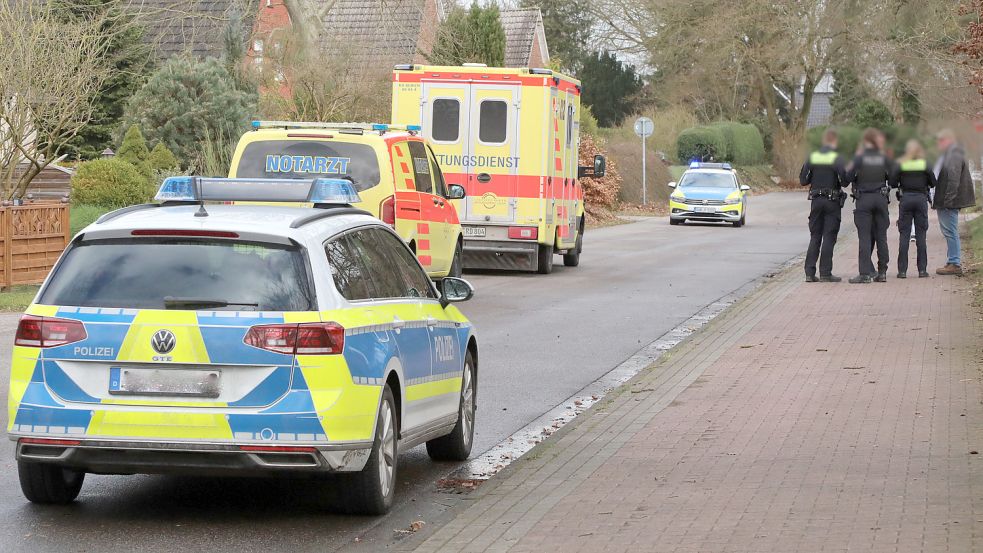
(304, 159)
(166, 273)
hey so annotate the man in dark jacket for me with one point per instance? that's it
(953, 192)
(825, 175)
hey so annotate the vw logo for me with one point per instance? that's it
(704, 202)
(163, 341)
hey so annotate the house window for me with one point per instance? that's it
(493, 121)
(258, 46)
(446, 120)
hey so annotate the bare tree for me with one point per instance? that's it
(52, 71)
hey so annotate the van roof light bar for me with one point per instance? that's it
(326, 191)
(288, 125)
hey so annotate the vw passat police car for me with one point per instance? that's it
(185, 337)
(708, 192)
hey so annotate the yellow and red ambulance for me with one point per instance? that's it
(392, 169)
(510, 137)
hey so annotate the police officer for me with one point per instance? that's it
(825, 175)
(869, 173)
(913, 178)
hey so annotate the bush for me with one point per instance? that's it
(666, 125)
(186, 101)
(109, 183)
(161, 159)
(701, 143)
(745, 146)
(873, 113)
(133, 150)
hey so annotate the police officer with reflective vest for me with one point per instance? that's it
(913, 178)
(870, 173)
(825, 175)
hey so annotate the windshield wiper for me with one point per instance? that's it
(171, 302)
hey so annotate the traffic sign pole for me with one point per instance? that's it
(644, 128)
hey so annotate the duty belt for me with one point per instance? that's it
(828, 193)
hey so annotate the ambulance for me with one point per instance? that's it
(510, 137)
(392, 168)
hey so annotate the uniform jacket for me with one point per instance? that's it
(913, 176)
(955, 188)
(870, 170)
(824, 170)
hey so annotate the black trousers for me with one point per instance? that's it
(824, 225)
(872, 219)
(914, 209)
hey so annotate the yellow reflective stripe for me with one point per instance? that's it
(914, 165)
(431, 389)
(24, 362)
(160, 424)
(822, 158)
(41, 310)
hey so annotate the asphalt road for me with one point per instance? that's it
(541, 339)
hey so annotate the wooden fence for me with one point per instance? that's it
(32, 236)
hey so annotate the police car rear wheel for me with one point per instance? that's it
(456, 446)
(50, 484)
(545, 259)
(373, 488)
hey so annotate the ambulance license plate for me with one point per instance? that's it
(704, 209)
(474, 232)
(164, 382)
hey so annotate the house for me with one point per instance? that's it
(192, 27)
(821, 111)
(525, 38)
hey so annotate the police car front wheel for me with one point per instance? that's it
(49, 484)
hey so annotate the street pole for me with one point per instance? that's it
(644, 186)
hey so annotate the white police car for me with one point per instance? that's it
(182, 337)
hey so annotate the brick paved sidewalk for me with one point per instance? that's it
(812, 417)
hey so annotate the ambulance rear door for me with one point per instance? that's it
(494, 160)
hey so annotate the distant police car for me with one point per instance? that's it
(240, 339)
(708, 192)
(392, 168)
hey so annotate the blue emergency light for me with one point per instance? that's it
(706, 165)
(414, 128)
(333, 191)
(202, 189)
(380, 127)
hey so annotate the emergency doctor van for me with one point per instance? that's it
(510, 137)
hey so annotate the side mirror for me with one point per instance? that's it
(455, 192)
(596, 171)
(745, 188)
(453, 290)
(672, 184)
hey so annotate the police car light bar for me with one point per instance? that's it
(377, 127)
(199, 189)
(704, 165)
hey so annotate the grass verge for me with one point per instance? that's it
(82, 215)
(974, 237)
(17, 298)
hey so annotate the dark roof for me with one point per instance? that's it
(194, 27)
(376, 31)
(520, 26)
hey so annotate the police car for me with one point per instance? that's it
(708, 192)
(392, 168)
(185, 337)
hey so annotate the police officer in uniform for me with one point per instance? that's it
(869, 173)
(913, 178)
(825, 175)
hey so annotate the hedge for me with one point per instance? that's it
(109, 183)
(745, 145)
(738, 143)
(701, 143)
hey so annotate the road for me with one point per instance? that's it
(542, 338)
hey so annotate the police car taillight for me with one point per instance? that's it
(298, 339)
(48, 332)
(387, 211)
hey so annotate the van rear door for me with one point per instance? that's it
(493, 164)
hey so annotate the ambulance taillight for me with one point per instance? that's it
(48, 332)
(387, 211)
(523, 233)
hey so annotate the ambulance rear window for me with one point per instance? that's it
(446, 120)
(493, 121)
(305, 159)
(139, 273)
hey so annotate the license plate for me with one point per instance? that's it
(474, 232)
(704, 209)
(164, 382)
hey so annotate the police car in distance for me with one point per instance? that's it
(708, 192)
(185, 337)
(392, 168)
